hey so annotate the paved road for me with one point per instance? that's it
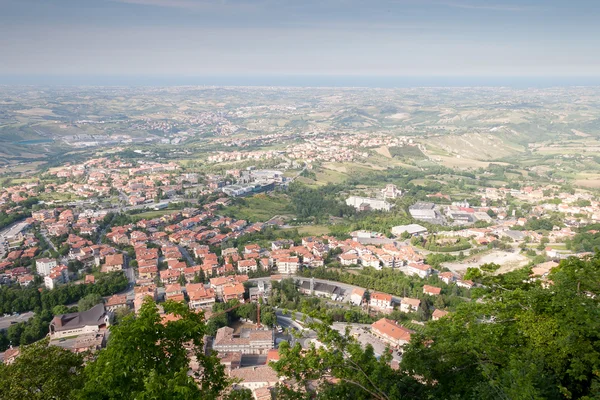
(186, 255)
(5, 322)
(44, 235)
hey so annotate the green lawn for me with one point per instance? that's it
(313, 230)
(259, 208)
(153, 214)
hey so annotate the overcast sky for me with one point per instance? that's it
(323, 37)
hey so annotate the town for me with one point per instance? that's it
(268, 235)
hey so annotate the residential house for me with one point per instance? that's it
(381, 301)
(447, 277)
(288, 265)
(249, 341)
(57, 276)
(245, 266)
(200, 296)
(45, 265)
(256, 378)
(431, 290)
(465, 284)
(357, 296)
(233, 291)
(409, 305)
(390, 332)
(116, 301)
(421, 270)
(348, 259)
(113, 262)
(437, 314)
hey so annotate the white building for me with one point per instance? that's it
(44, 266)
(57, 276)
(391, 192)
(381, 301)
(288, 265)
(412, 229)
(421, 270)
(409, 305)
(357, 296)
(423, 210)
(374, 204)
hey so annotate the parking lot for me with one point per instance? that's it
(6, 322)
(364, 336)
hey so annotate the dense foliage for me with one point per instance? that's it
(42, 372)
(318, 203)
(148, 359)
(386, 281)
(27, 332)
(17, 299)
(522, 341)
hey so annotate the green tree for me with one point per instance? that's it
(42, 372)
(148, 359)
(240, 394)
(60, 309)
(473, 273)
(528, 342)
(357, 373)
(89, 301)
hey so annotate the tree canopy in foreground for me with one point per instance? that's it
(526, 342)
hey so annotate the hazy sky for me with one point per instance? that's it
(337, 37)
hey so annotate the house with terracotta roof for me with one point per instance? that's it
(392, 333)
(116, 301)
(245, 266)
(169, 276)
(148, 272)
(248, 341)
(200, 296)
(381, 301)
(254, 378)
(57, 276)
(288, 265)
(10, 355)
(447, 277)
(173, 290)
(26, 280)
(231, 360)
(233, 291)
(421, 270)
(113, 262)
(437, 314)
(357, 295)
(347, 259)
(467, 284)
(219, 283)
(409, 305)
(251, 248)
(431, 290)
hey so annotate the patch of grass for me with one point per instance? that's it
(153, 214)
(407, 153)
(258, 208)
(313, 230)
